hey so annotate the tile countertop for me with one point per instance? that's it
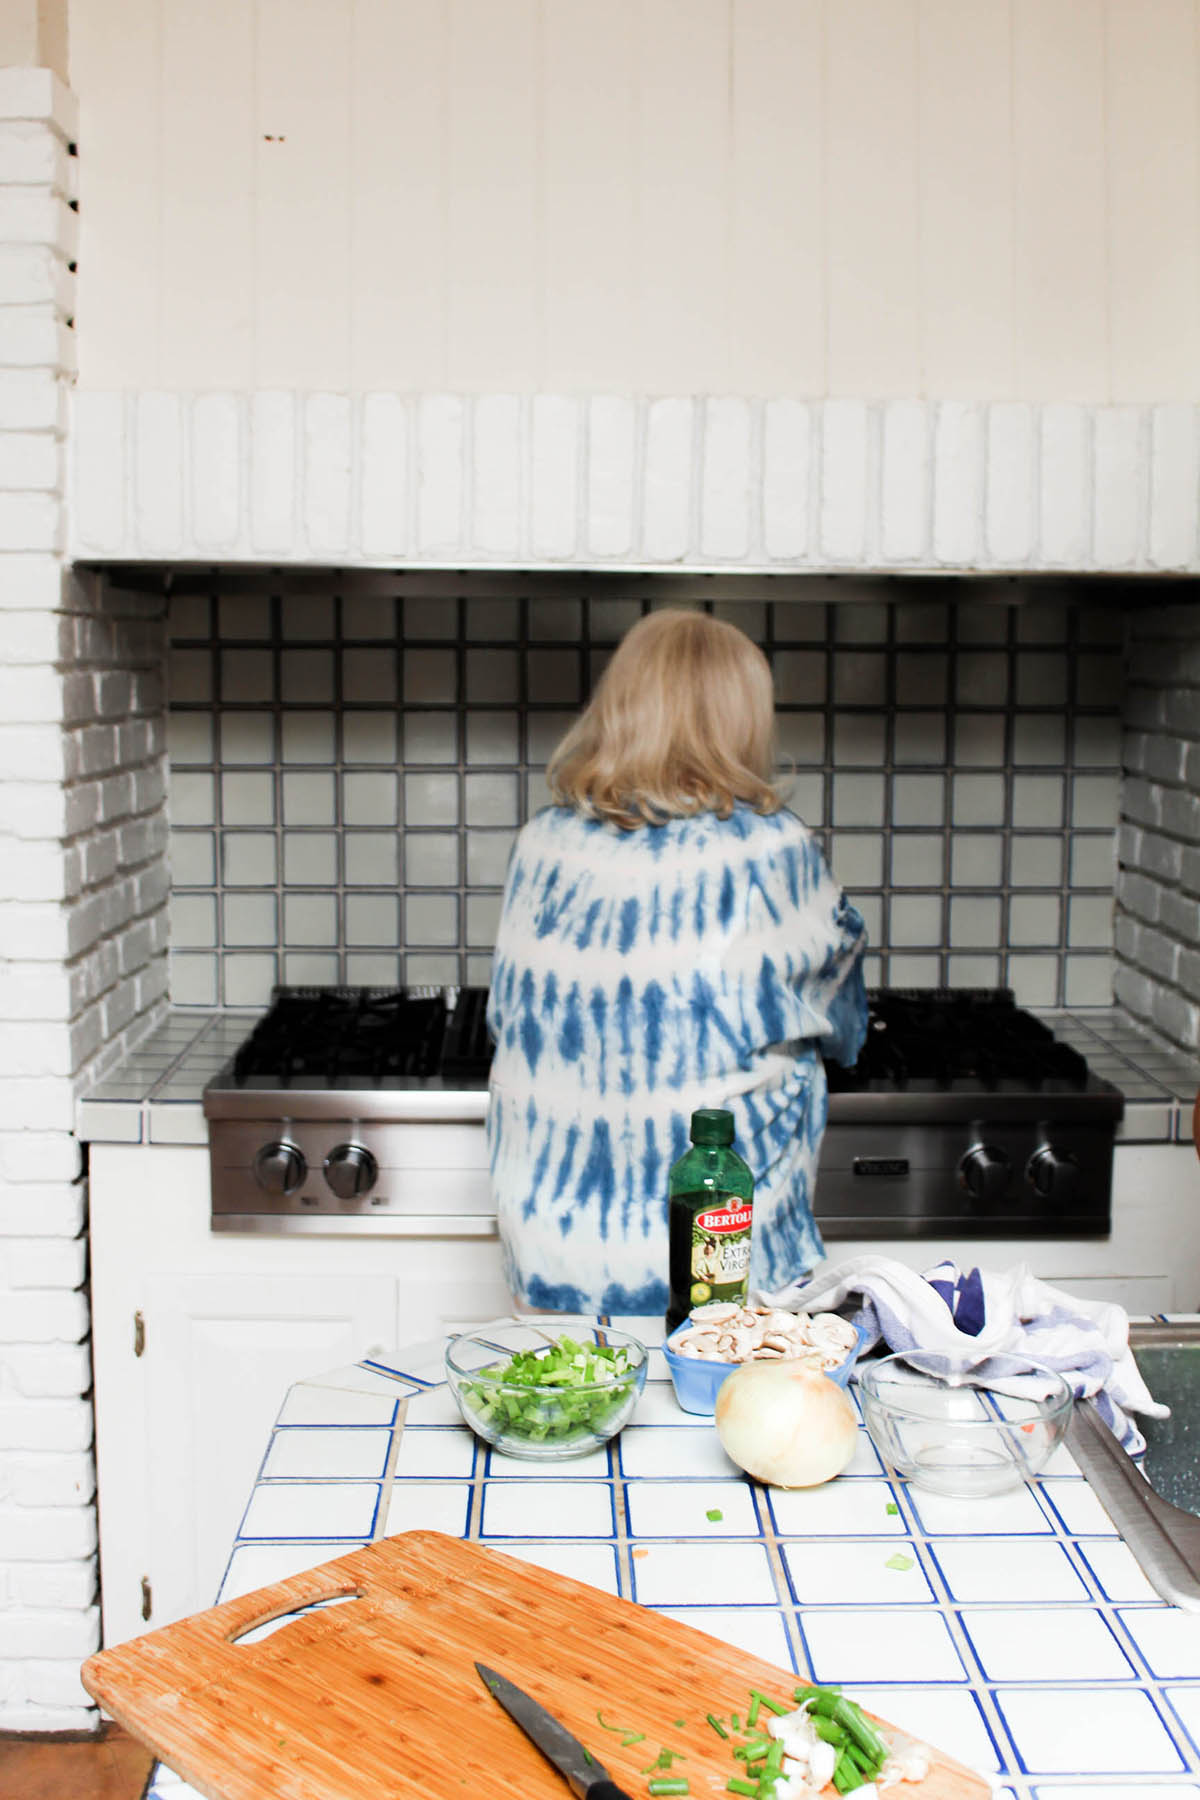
(1017, 1633)
(154, 1095)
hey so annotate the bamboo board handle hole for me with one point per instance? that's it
(259, 1629)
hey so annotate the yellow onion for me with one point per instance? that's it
(786, 1424)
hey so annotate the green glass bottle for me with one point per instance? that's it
(709, 1218)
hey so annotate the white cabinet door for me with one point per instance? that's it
(220, 1353)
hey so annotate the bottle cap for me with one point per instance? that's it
(712, 1125)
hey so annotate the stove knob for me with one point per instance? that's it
(1054, 1174)
(280, 1168)
(350, 1171)
(985, 1172)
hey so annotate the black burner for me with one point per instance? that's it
(949, 1036)
(367, 1036)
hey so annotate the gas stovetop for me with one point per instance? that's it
(964, 1116)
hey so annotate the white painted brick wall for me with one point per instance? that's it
(1157, 922)
(82, 912)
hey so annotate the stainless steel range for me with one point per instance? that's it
(964, 1116)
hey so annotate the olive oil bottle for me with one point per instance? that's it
(709, 1218)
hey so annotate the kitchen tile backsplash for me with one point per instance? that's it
(348, 773)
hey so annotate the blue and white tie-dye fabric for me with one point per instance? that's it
(639, 975)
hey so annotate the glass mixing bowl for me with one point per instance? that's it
(932, 1425)
(547, 1423)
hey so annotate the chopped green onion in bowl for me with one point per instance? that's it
(545, 1390)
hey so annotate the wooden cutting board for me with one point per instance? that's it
(376, 1698)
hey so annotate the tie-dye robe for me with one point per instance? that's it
(639, 975)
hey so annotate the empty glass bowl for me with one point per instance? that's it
(512, 1409)
(932, 1425)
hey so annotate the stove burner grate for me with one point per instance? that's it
(945, 1036)
(366, 1035)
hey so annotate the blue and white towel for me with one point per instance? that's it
(974, 1314)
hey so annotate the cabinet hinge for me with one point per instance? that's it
(147, 1598)
(139, 1333)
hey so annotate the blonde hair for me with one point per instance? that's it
(682, 721)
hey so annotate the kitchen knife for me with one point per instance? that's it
(587, 1778)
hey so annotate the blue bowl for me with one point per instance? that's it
(696, 1382)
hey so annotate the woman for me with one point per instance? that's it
(671, 938)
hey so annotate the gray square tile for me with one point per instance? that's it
(247, 737)
(428, 618)
(248, 797)
(248, 858)
(493, 737)
(1096, 742)
(487, 857)
(306, 616)
(431, 859)
(976, 921)
(1088, 980)
(1040, 738)
(1089, 922)
(1038, 800)
(860, 622)
(979, 740)
(247, 676)
(922, 622)
(859, 740)
(244, 617)
(919, 737)
(914, 971)
(430, 919)
(857, 800)
(373, 919)
(491, 799)
(1034, 919)
(369, 616)
(1099, 679)
(369, 737)
(190, 677)
(750, 616)
(493, 675)
(189, 616)
(372, 968)
(860, 678)
(1093, 860)
(369, 799)
(309, 799)
(483, 919)
(858, 859)
(1041, 621)
(871, 908)
(918, 799)
(922, 677)
(371, 858)
(193, 979)
(312, 968)
(193, 921)
(597, 661)
(430, 737)
(537, 794)
(1041, 678)
(498, 620)
(1035, 861)
(430, 677)
(801, 677)
(981, 678)
(804, 621)
(249, 919)
(423, 968)
(800, 738)
(982, 622)
(553, 677)
(915, 919)
(193, 858)
(1034, 979)
(918, 859)
(976, 859)
(189, 738)
(609, 620)
(543, 733)
(1095, 801)
(310, 919)
(431, 799)
(308, 737)
(479, 968)
(248, 980)
(972, 969)
(310, 858)
(369, 676)
(192, 798)
(306, 677)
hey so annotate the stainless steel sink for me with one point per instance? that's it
(1154, 1507)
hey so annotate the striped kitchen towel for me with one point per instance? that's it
(971, 1315)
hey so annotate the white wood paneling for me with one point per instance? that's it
(981, 200)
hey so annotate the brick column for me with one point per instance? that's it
(82, 917)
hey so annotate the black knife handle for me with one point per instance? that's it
(606, 1790)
